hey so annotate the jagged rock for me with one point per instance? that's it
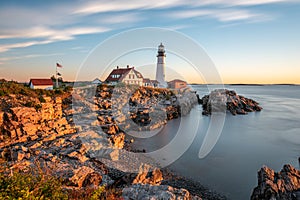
(221, 100)
(86, 176)
(118, 140)
(21, 124)
(145, 177)
(155, 192)
(20, 156)
(77, 155)
(186, 100)
(98, 146)
(112, 129)
(92, 180)
(284, 185)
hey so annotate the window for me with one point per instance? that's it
(115, 75)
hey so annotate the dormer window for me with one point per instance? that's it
(115, 75)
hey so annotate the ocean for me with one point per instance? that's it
(246, 143)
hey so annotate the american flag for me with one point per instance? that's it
(59, 65)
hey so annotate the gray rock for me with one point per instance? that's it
(284, 185)
(157, 192)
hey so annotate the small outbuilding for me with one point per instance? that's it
(41, 83)
(177, 84)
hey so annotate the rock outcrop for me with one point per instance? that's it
(71, 143)
(156, 192)
(283, 185)
(129, 108)
(221, 100)
(20, 124)
(146, 177)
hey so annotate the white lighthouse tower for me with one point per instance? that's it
(160, 69)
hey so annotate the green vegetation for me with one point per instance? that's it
(38, 183)
(31, 185)
(29, 97)
(13, 87)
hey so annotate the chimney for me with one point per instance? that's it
(117, 67)
(127, 66)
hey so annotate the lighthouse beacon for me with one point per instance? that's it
(160, 69)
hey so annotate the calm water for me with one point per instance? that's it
(270, 137)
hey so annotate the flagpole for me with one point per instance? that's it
(56, 77)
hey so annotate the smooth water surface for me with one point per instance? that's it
(270, 137)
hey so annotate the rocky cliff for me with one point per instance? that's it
(44, 134)
(283, 185)
(123, 109)
(21, 124)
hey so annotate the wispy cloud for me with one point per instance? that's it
(120, 5)
(222, 15)
(240, 2)
(6, 47)
(47, 35)
(3, 60)
(50, 34)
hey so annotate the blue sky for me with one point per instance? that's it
(250, 41)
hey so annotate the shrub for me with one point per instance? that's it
(41, 99)
(38, 107)
(29, 104)
(33, 185)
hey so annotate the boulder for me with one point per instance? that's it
(146, 177)
(118, 140)
(86, 177)
(98, 146)
(156, 192)
(283, 185)
(221, 100)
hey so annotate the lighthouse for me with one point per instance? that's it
(160, 69)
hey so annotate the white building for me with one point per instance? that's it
(125, 75)
(160, 69)
(46, 84)
(96, 81)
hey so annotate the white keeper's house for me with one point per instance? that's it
(126, 75)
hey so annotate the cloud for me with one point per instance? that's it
(51, 34)
(240, 2)
(5, 59)
(47, 35)
(120, 5)
(121, 18)
(222, 15)
(6, 47)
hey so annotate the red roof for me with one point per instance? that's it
(138, 74)
(120, 72)
(41, 81)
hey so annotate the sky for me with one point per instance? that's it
(248, 41)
